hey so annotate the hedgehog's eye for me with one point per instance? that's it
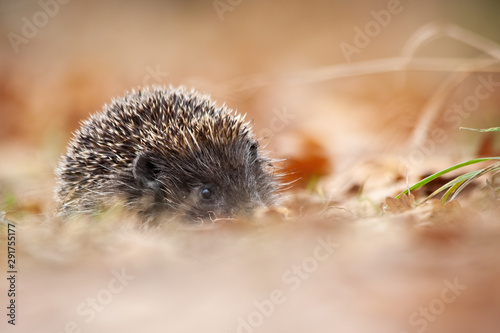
(206, 193)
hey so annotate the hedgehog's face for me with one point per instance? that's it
(209, 184)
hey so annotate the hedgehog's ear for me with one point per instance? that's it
(254, 151)
(145, 170)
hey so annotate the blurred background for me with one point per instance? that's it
(62, 60)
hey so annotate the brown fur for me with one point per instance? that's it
(157, 150)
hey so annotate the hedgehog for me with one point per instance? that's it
(166, 153)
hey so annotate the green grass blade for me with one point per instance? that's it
(491, 168)
(493, 129)
(445, 171)
(459, 179)
(451, 190)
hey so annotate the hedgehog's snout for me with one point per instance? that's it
(212, 203)
(243, 207)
